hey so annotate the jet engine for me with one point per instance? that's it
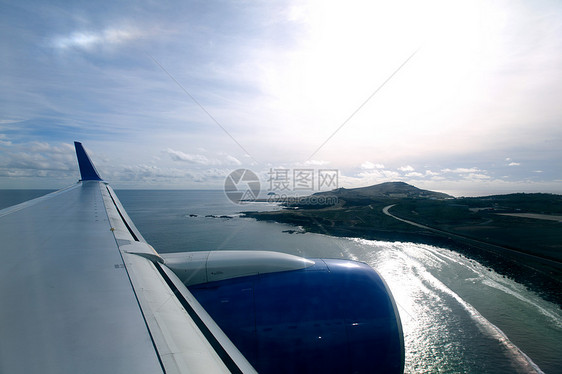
(287, 314)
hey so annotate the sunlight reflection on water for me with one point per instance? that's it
(442, 331)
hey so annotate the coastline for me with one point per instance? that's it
(541, 275)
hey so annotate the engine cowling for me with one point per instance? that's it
(334, 316)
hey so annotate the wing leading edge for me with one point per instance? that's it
(83, 292)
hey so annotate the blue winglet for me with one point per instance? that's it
(87, 170)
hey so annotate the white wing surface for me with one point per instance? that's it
(82, 292)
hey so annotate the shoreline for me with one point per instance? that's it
(541, 275)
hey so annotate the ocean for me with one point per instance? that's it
(458, 316)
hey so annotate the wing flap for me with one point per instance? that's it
(180, 344)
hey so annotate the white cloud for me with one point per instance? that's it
(414, 175)
(233, 160)
(514, 164)
(90, 39)
(478, 176)
(369, 165)
(379, 174)
(4, 140)
(316, 162)
(8, 121)
(38, 156)
(406, 168)
(40, 147)
(193, 159)
(461, 170)
(437, 178)
(198, 159)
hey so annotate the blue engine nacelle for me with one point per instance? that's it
(336, 316)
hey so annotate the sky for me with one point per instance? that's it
(461, 97)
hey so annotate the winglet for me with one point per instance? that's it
(87, 170)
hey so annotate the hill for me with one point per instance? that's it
(388, 189)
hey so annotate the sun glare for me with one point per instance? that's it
(351, 49)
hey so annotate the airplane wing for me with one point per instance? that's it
(82, 292)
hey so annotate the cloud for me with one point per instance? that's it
(316, 162)
(4, 140)
(406, 168)
(90, 39)
(463, 174)
(193, 159)
(198, 159)
(8, 121)
(461, 170)
(369, 165)
(233, 160)
(414, 175)
(131, 175)
(477, 176)
(514, 164)
(379, 174)
(38, 156)
(43, 147)
(53, 166)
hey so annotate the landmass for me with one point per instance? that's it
(518, 235)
